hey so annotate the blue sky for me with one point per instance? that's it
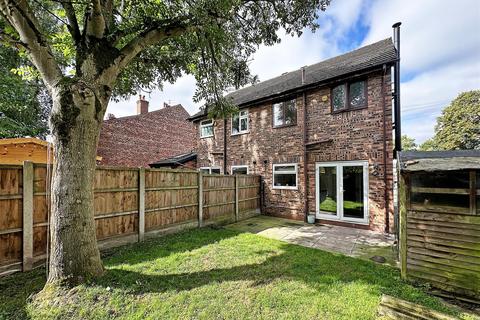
(440, 54)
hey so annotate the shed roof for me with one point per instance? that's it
(364, 58)
(23, 140)
(178, 159)
(411, 161)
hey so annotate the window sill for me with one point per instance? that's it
(240, 133)
(206, 137)
(349, 109)
(284, 126)
(284, 188)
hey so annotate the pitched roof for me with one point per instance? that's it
(137, 141)
(178, 159)
(367, 57)
(24, 140)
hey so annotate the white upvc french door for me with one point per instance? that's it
(342, 191)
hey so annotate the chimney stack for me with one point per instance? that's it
(142, 105)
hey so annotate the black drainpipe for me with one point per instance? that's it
(396, 94)
(225, 146)
(385, 155)
(305, 162)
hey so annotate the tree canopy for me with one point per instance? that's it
(24, 103)
(459, 125)
(145, 43)
(408, 143)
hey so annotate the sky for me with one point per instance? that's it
(440, 54)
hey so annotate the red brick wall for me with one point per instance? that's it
(355, 135)
(137, 141)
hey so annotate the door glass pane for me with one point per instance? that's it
(353, 206)
(328, 190)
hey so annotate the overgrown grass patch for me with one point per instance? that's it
(218, 274)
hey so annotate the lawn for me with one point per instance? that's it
(218, 274)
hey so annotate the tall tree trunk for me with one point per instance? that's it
(75, 122)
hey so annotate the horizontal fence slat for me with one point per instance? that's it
(115, 190)
(248, 199)
(435, 254)
(172, 188)
(469, 219)
(8, 231)
(10, 196)
(115, 214)
(218, 204)
(446, 262)
(172, 207)
(441, 190)
(438, 247)
(453, 225)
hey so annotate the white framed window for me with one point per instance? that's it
(210, 170)
(206, 128)
(240, 122)
(285, 176)
(240, 169)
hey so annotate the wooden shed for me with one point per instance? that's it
(17, 150)
(439, 234)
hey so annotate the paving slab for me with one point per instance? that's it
(359, 243)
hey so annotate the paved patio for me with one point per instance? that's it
(349, 241)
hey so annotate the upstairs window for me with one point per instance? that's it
(284, 113)
(206, 128)
(240, 122)
(348, 96)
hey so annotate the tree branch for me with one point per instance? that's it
(72, 21)
(154, 34)
(95, 23)
(19, 14)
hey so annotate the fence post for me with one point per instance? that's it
(141, 204)
(200, 199)
(236, 197)
(27, 215)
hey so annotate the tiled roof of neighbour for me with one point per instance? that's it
(137, 141)
(366, 57)
(178, 159)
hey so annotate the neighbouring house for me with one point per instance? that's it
(320, 136)
(146, 138)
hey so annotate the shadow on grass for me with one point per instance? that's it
(16, 289)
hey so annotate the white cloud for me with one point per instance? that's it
(440, 54)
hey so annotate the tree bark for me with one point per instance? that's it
(75, 122)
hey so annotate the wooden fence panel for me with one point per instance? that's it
(248, 196)
(218, 198)
(170, 198)
(170, 201)
(11, 222)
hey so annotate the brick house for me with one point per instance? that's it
(146, 138)
(320, 136)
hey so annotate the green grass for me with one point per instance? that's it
(218, 274)
(330, 205)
